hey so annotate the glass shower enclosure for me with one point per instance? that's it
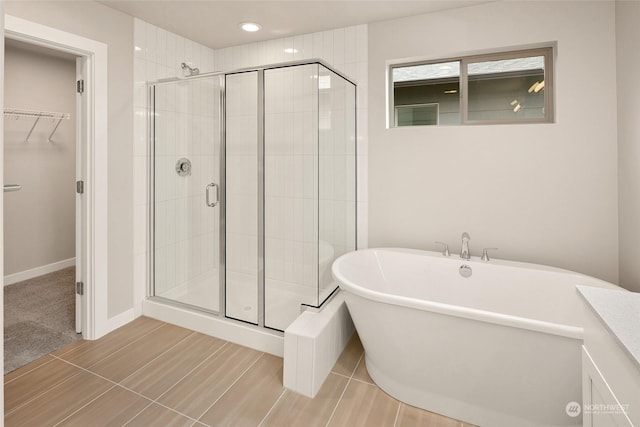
(253, 186)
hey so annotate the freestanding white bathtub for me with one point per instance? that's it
(499, 348)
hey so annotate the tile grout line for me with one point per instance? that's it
(139, 412)
(42, 393)
(99, 376)
(157, 403)
(89, 341)
(70, 350)
(60, 357)
(30, 370)
(156, 358)
(85, 405)
(231, 385)
(364, 382)
(335, 408)
(354, 379)
(192, 370)
(171, 409)
(339, 374)
(128, 345)
(395, 422)
(152, 402)
(115, 384)
(155, 400)
(355, 368)
(271, 409)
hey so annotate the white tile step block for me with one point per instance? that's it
(313, 343)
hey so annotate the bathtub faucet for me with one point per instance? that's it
(465, 253)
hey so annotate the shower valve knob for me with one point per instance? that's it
(183, 167)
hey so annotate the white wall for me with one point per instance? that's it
(543, 193)
(628, 68)
(100, 23)
(39, 220)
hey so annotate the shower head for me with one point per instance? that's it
(189, 70)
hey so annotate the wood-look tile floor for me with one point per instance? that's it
(150, 373)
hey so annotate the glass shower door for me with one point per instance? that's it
(187, 191)
(243, 239)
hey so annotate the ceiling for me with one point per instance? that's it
(214, 23)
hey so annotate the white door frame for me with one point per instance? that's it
(94, 141)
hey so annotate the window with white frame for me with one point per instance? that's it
(498, 88)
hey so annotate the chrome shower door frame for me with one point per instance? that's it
(151, 193)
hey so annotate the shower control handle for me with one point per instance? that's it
(217, 200)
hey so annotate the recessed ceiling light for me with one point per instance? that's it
(250, 26)
(290, 50)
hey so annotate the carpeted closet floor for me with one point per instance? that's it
(39, 317)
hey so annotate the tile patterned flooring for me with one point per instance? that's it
(151, 373)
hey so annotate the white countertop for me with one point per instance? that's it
(619, 311)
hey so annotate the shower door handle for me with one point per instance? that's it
(217, 200)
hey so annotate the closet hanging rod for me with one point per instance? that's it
(14, 112)
(34, 114)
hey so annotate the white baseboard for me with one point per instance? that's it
(38, 271)
(118, 320)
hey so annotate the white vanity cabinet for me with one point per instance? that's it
(600, 406)
(610, 358)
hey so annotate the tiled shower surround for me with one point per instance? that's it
(309, 185)
(186, 231)
(158, 54)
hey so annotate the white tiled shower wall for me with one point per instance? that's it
(337, 180)
(309, 178)
(159, 53)
(291, 176)
(186, 233)
(241, 194)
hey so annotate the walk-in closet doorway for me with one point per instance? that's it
(42, 263)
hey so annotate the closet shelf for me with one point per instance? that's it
(37, 115)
